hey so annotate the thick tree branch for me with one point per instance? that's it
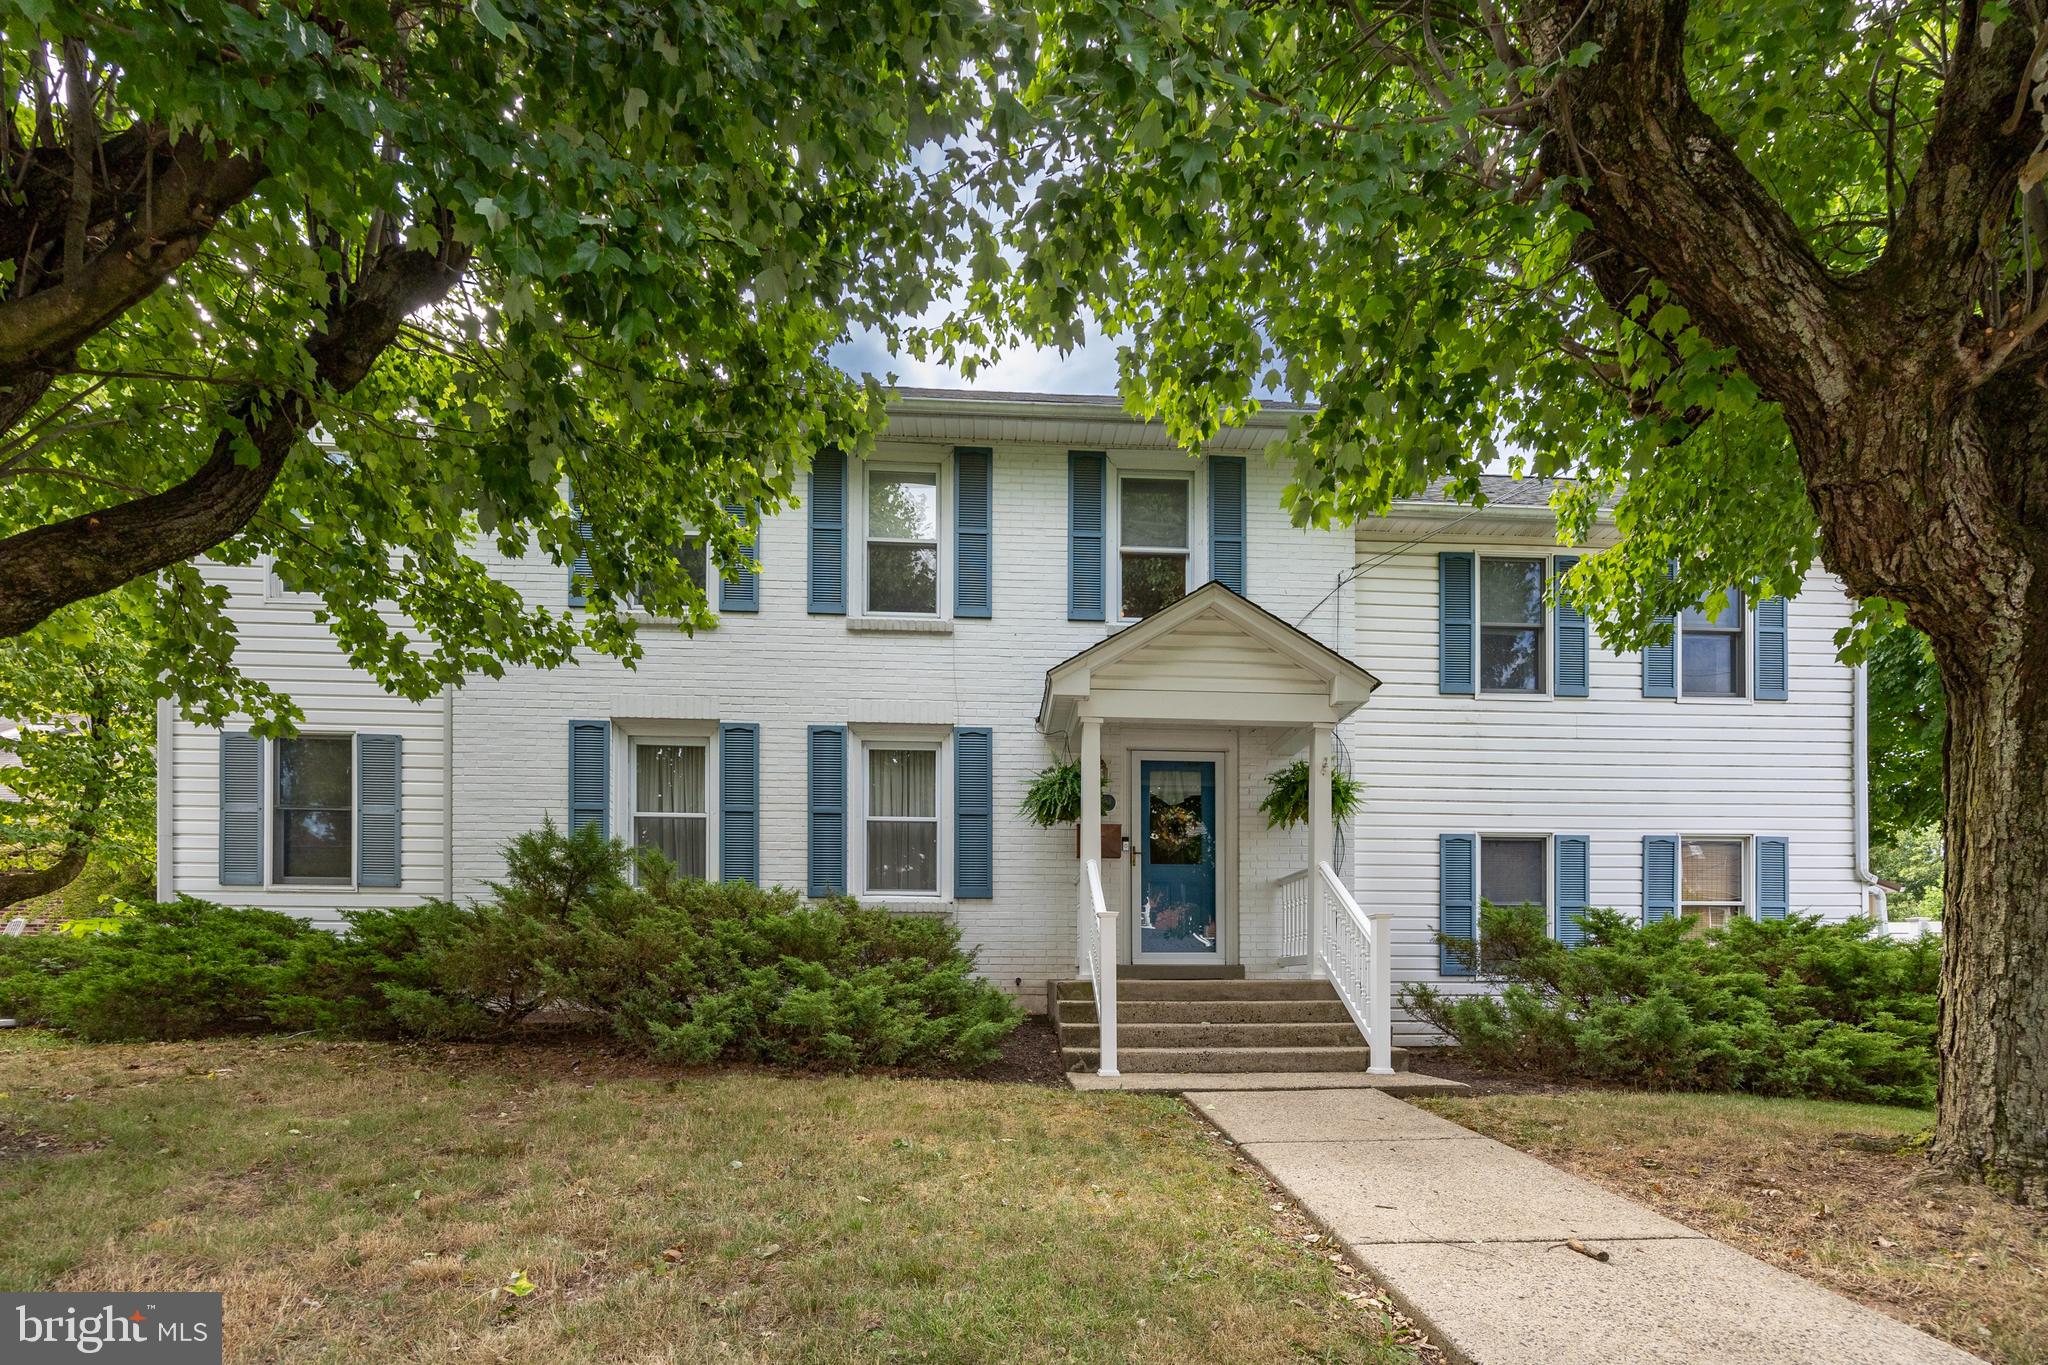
(44, 326)
(50, 566)
(1962, 193)
(28, 883)
(1660, 178)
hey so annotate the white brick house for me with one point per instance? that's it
(939, 622)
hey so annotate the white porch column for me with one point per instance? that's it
(1091, 788)
(1321, 839)
(1090, 827)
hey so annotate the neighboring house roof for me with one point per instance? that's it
(1213, 657)
(1499, 490)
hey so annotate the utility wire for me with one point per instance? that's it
(1351, 574)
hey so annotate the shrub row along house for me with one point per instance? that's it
(1015, 580)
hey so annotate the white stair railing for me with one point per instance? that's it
(1291, 912)
(1356, 952)
(1097, 924)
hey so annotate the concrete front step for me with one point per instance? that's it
(1127, 989)
(1211, 1012)
(1130, 1034)
(1224, 1060)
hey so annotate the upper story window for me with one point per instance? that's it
(903, 818)
(1152, 542)
(903, 542)
(670, 812)
(1511, 625)
(1511, 870)
(1711, 882)
(695, 557)
(1710, 650)
(313, 810)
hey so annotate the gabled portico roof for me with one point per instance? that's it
(1212, 658)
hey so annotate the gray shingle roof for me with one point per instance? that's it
(1501, 490)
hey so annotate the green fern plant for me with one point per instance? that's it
(1286, 802)
(1054, 796)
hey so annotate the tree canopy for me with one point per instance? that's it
(1385, 208)
(1768, 275)
(348, 284)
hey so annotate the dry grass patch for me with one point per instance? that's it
(1834, 1192)
(366, 1202)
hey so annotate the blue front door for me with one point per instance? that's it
(1177, 860)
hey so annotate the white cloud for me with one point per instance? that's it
(1089, 368)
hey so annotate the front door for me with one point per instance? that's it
(1177, 913)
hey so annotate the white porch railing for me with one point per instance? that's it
(1096, 924)
(1291, 913)
(1355, 953)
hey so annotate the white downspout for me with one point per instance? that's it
(166, 825)
(1860, 764)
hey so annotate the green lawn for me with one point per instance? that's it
(361, 1202)
(1836, 1192)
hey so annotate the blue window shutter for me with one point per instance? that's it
(241, 809)
(973, 526)
(1087, 472)
(1771, 674)
(1457, 896)
(974, 810)
(579, 572)
(590, 775)
(1573, 880)
(1660, 877)
(1227, 521)
(1773, 877)
(826, 754)
(1456, 672)
(739, 803)
(1572, 672)
(828, 534)
(1660, 662)
(379, 800)
(741, 591)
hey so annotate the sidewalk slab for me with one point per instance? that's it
(1323, 1116)
(1468, 1237)
(1686, 1300)
(1401, 1082)
(1440, 1191)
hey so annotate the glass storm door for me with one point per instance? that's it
(1177, 862)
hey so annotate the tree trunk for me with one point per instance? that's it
(1993, 1118)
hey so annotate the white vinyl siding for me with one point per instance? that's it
(1611, 766)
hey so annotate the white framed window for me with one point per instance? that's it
(671, 801)
(313, 810)
(1712, 650)
(1154, 556)
(901, 564)
(901, 845)
(1512, 624)
(275, 589)
(1712, 879)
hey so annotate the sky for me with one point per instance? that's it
(1089, 369)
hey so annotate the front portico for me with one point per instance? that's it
(1193, 708)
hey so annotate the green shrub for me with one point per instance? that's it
(1788, 1007)
(687, 970)
(692, 971)
(185, 969)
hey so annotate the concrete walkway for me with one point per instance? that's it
(1468, 1236)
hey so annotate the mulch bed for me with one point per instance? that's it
(1447, 1063)
(1031, 1056)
